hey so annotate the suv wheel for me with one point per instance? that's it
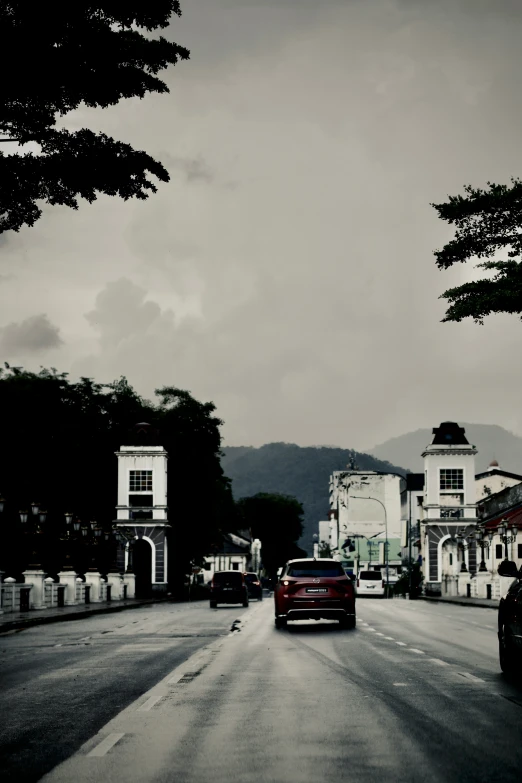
(213, 604)
(280, 623)
(347, 622)
(505, 651)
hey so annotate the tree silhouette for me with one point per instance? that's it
(90, 53)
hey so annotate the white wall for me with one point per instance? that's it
(142, 458)
(359, 515)
(440, 457)
(495, 483)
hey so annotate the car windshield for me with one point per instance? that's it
(372, 576)
(229, 578)
(315, 569)
(251, 578)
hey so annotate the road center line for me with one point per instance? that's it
(402, 644)
(389, 638)
(414, 649)
(378, 633)
(400, 684)
(438, 660)
(106, 744)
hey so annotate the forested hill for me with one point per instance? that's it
(294, 470)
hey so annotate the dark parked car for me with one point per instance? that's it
(254, 586)
(312, 589)
(228, 587)
(510, 621)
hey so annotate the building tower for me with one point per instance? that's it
(449, 505)
(142, 508)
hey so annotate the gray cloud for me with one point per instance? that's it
(34, 335)
(303, 301)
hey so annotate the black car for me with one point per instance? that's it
(228, 587)
(510, 621)
(254, 586)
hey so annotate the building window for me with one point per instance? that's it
(519, 550)
(498, 551)
(451, 479)
(140, 481)
(235, 566)
(451, 559)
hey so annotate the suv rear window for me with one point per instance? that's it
(251, 578)
(228, 578)
(314, 568)
(372, 576)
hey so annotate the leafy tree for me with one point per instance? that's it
(57, 448)
(277, 520)
(486, 221)
(73, 53)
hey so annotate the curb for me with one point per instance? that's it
(463, 602)
(70, 616)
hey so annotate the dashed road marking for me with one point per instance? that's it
(151, 701)
(400, 684)
(106, 744)
(414, 649)
(371, 629)
(389, 638)
(471, 677)
(378, 633)
(438, 660)
(491, 627)
(402, 644)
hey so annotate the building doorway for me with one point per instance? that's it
(142, 564)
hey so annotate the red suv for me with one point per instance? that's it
(314, 589)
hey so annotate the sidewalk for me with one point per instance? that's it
(459, 600)
(11, 621)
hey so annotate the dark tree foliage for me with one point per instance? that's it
(277, 520)
(57, 447)
(486, 221)
(68, 54)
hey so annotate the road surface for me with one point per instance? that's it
(413, 694)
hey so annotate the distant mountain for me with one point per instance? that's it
(491, 441)
(294, 470)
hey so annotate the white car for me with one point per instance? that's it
(370, 583)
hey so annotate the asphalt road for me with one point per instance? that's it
(60, 683)
(413, 694)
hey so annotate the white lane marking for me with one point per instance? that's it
(473, 622)
(371, 629)
(390, 638)
(438, 660)
(414, 649)
(471, 677)
(400, 684)
(402, 644)
(378, 633)
(57, 645)
(491, 627)
(151, 701)
(363, 623)
(106, 744)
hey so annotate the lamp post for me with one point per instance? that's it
(316, 544)
(386, 562)
(482, 543)
(503, 531)
(462, 543)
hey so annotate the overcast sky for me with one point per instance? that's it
(286, 272)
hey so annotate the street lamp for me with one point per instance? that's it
(386, 562)
(482, 543)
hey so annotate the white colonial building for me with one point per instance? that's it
(365, 512)
(142, 510)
